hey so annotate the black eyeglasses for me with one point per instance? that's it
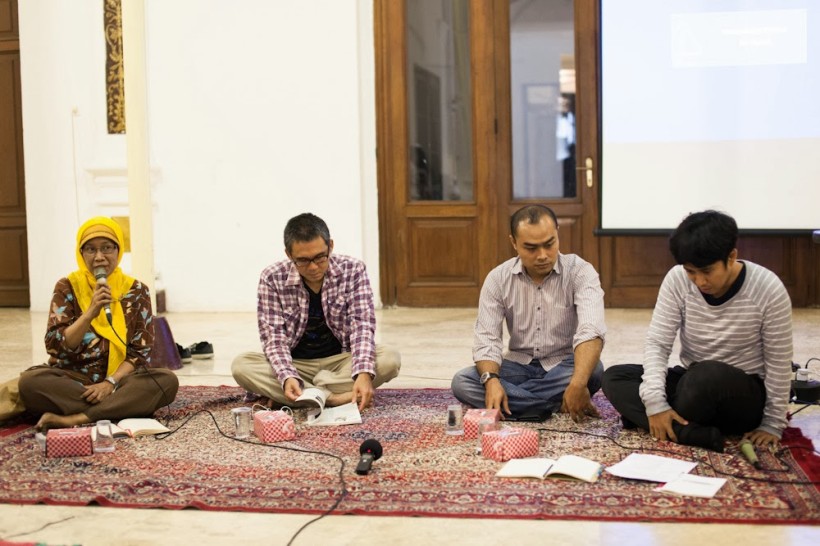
(319, 259)
(105, 249)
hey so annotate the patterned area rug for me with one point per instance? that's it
(423, 472)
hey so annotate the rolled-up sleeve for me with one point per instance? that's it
(488, 336)
(589, 304)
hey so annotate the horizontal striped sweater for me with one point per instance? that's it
(752, 331)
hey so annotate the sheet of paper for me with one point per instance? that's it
(651, 468)
(693, 486)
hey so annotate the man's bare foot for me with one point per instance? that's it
(52, 420)
(339, 399)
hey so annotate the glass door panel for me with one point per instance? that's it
(542, 96)
(439, 101)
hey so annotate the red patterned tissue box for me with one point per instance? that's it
(273, 426)
(509, 443)
(474, 416)
(69, 442)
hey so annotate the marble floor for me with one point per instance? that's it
(434, 343)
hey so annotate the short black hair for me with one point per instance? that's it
(532, 214)
(305, 227)
(703, 238)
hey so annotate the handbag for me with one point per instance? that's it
(164, 353)
(10, 402)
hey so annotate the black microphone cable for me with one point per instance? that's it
(343, 485)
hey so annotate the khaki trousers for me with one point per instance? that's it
(254, 373)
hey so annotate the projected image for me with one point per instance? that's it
(712, 106)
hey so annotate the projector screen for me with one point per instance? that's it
(710, 104)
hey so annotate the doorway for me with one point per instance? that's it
(14, 279)
(482, 107)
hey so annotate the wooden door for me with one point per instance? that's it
(14, 280)
(441, 236)
(437, 229)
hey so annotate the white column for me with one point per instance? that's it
(136, 131)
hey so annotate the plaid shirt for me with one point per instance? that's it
(347, 301)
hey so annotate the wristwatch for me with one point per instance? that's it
(113, 381)
(486, 376)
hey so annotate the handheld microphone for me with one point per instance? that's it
(99, 274)
(370, 450)
(748, 450)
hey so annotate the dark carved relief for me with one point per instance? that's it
(114, 72)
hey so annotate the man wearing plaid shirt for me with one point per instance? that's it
(317, 325)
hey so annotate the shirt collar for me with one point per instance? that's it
(518, 269)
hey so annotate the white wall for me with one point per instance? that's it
(257, 111)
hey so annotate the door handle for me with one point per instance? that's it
(588, 169)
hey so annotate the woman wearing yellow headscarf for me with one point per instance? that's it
(99, 339)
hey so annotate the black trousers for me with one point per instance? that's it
(709, 393)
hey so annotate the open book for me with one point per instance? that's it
(134, 427)
(567, 467)
(347, 414)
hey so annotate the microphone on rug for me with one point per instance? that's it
(370, 450)
(99, 274)
(748, 450)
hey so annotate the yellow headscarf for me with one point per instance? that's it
(83, 283)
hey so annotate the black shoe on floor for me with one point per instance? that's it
(201, 350)
(184, 353)
(627, 424)
(699, 436)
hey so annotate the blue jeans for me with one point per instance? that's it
(530, 390)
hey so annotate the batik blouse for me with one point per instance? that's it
(90, 357)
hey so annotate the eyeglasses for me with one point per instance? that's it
(105, 249)
(319, 259)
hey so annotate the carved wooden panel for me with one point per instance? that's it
(439, 254)
(440, 267)
(8, 20)
(814, 296)
(569, 236)
(788, 257)
(632, 268)
(14, 268)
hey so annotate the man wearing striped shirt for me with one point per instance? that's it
(317, 324)
(734, 321)
(553, 306)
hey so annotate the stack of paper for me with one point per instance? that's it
(652, 468)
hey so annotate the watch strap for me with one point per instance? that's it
(486, 376)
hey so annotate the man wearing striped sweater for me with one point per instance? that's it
(734, 321)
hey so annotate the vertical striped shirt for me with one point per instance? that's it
(545, 321)
(347, 302)
(752, 332)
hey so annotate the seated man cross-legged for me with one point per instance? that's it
(317, 324)
(734, 321)
(554, 310)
